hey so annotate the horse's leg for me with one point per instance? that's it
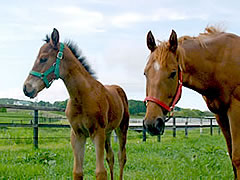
(223, 122)
(110, 154)
(234, 120)
(122, 136)
(99, 141)
(78, 146)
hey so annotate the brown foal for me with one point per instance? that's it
(93, 110)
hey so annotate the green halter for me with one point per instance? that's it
(54, 68)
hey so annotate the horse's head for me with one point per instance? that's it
(162, 87)
(46, 66)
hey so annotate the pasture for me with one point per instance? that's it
(196, 157)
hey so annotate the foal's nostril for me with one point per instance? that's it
(25, 89)
(30, 93)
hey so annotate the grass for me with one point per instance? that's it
(195, 157)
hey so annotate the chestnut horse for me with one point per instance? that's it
(93, 110)
(208, 64)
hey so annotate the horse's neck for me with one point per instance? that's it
(196, 66)
(77, 80)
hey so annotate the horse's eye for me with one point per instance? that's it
(173, 74)
(43, 60)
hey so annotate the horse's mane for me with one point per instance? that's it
(78, 54)
(208, 32)
(163, 50)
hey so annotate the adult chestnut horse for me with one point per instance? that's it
(208, 64)
(93, 110)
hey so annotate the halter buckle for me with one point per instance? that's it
(60, 55)
(42, 76)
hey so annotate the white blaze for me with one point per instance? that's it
(156, 66)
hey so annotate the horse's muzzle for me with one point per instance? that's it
(156, 128)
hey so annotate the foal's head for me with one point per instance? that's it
(162, 75)
(45, 68)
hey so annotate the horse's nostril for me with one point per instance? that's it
(160, 125)
(144, 126)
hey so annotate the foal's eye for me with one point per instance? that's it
(173, 74)
(43, 60)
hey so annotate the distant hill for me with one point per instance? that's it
(136, 107)
(15, 101)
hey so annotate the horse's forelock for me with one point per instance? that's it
(47, 38)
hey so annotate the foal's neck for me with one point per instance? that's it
(77, 80)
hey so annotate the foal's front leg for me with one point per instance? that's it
(99, 141)
(78, 145)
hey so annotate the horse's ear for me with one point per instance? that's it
(54, 38)
(151, 42)
(173, 41)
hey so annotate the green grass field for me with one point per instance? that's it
(195, 157)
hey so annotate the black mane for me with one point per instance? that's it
(77, 53)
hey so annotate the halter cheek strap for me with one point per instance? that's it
(177, 96)
(54, 68)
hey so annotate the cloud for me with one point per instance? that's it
(80, 19)
(124, 20)
(31, 22)
(128, 19)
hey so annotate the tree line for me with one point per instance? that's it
(136, 107)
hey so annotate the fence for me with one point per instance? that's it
(135, 124)
(187, 123)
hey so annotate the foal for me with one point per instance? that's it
(93, 110)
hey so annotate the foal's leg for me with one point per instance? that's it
(110, 154)
(99, 141)
(122, 136)
(78, 146)
(234, 119)
(223, 122)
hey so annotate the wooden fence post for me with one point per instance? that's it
(201, 123)
(35, 129)
(144, 134)
(186, 127)
(174, 126)
(211, 127)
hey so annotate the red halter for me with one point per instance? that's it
(177, 96)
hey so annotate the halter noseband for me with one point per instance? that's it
(54, 68)
(177, 96)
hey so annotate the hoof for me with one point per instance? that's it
(101, 176)
(78, 176)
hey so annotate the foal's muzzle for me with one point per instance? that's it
(155, 128)
(29, 92)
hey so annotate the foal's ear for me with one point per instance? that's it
(54, 38)
(151, 42)
(173, 42)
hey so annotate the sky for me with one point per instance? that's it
(110, 33)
